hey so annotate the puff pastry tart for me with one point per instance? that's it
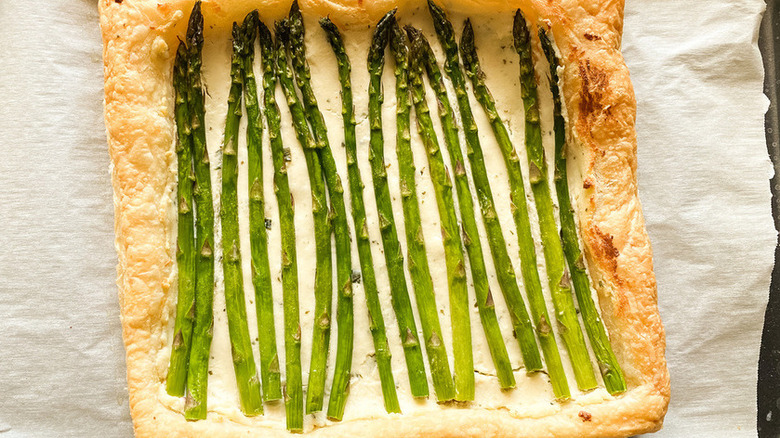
(380, 218)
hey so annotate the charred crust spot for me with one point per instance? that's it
(594, 87)
(606, 249)
(591, 37)
(585, 416)
(587, 183)
(607, 246)
(119, 2)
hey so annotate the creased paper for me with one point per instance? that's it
(704, 184)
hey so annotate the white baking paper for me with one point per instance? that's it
(61, 354)
(704, 183)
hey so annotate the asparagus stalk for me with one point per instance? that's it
(197, 375)
(377, 322)
(393, 257)
(565, 313)
(323, 274)
(240, 342)
(261, 269)
(528, 264)
(293, 399)
(323, 281)
(453, 251)
(415, 240)
(185, 241)
(471, 238)
(338, 216)
(599, 341)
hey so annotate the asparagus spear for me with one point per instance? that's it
(185, 242)
(261, 270)
(240, 342)
(323, 280)
(528, 265)
(323, 275)
(608, 364)
(293, 399)
(197, 375)
(338, 216)
(565, 313)
(453, 251)
(377, 322)
(415, 240)
(471, 239)
(393, 257)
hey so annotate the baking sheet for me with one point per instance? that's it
(769, 358)
(703, 175)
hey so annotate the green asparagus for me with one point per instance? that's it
(393, 258)
(240, 342)
(599, 341)
(338, 216)
(293, 398)
(471, 238)
(415, 240)
(453, 251)
(528, 264)
(323, 280)
(185, 241)
(270, 374)
(565, 313)
(197, 376)
(377, 322)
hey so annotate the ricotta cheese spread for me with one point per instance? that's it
(533, 395)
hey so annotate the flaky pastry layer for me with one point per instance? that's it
(140, 38)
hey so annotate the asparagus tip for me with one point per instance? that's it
(467, 48)
(249, 32)
(547, 47)
(254, 15)
(468, 33)
(263, 32)
(435, 9)
(543, 36)
(519, 15)
(379, 40)
(520, 32)
(294, 8)
(326, 23)
(251, 22)
(413, 32)
(387, 18)
(236, 33)
(195, 26)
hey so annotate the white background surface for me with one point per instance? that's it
(703, 173)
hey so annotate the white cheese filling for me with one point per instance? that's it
(533, 395)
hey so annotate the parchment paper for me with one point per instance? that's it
(704, 183)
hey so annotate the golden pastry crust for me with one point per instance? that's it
(139, 41)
